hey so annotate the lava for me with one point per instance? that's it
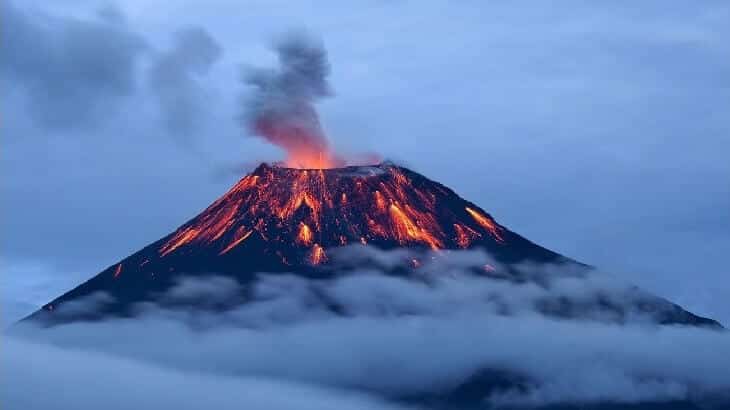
(299, 213)
(406, 230)
(317, 255)
(236, 242)
(486, 222)
(179, 239)
(465, 235)
(305, 234)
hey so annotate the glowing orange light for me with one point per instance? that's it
(486, 223)
(317, 255)
(178, 240)
(405, 229)
(465, 235)
(314, 208)
(118, 270)
(305, 234)
(236, 242)
(379, 201)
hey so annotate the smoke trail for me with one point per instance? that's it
(281, 109)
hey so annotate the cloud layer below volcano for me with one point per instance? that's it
(394, 338)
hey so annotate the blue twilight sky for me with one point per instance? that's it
(600, 131)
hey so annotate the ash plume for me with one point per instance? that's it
(281, 109)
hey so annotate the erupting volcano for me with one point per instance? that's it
(290, 220)
(304, 210)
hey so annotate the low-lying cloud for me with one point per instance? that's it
(369, 339)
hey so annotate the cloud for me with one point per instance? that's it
(87, 306)
(399, 338)
(632, 95)
(74, 71)
(175, 78)
(49, 377)
(86, 71)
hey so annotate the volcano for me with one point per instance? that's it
(280, 219)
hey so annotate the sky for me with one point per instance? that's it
(598, 131)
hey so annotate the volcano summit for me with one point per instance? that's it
(280, 220)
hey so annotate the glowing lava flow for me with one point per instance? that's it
(297, 214)
(405, 229)
(236, 242)
(486, 222)
(317, 255)
(305, 234)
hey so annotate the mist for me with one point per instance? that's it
(392, 339)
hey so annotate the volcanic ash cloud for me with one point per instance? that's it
(281, 109)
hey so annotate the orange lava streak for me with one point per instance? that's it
(178, 240)
(486, 223)
(216, 221)
(317, 209)
(405, 229)
(301, 198)
(246, 183)
(462, 239)
(305, 234)
(219, 225)
(118, 270)
(317, 255)
(235, 243)
(379, 201)
(400, 179)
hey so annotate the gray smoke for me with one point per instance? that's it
(281, 109)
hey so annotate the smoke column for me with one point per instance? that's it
(281, 109)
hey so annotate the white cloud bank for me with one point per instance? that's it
(367, 340)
